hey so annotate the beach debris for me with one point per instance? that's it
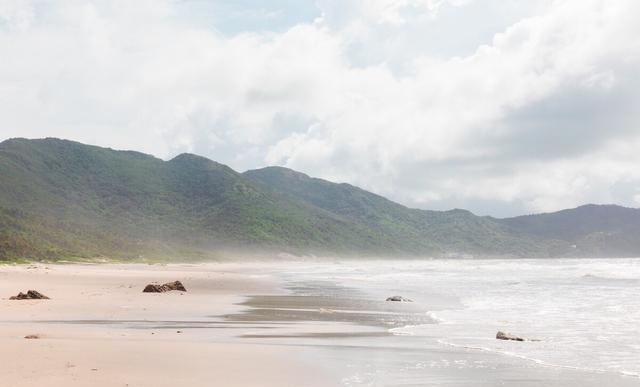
(507, 336)
(32, 337)
(155, 288)
(399, 299)
(30, 295)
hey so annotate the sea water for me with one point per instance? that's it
(578, 314)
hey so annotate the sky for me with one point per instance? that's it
(502, 107)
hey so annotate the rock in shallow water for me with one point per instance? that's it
(506, 336)
(399, 299)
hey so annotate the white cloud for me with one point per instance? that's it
(538, 117)
(16, 15)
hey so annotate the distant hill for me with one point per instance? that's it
(592, 230)
(61, 199)
(407, 230)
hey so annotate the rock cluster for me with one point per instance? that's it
(155, 288)
(30, 295)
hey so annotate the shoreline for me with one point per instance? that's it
(382, 359)
(248, 324)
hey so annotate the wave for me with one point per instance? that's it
(436, 319)
(540, 362)
(413, 330)
(608, 280)
(406, 330)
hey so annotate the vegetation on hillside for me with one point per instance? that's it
(61, 199)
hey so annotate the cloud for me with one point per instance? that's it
(534, 113)
(16, 15)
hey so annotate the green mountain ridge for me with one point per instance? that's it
(454, 231)
(591, 230)
(61, 199)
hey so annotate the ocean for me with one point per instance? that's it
(581, 317)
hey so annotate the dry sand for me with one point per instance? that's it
(99, 329)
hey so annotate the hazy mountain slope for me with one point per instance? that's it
(61, 199)
(69, 195)
(594, 230)
(455, 231)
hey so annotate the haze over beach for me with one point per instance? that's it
(319, 193)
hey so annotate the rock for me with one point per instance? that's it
(30, 295)
(32, 337)
(506, 336)
(155, 288)
(176, 285)
(399, 299)
(152, 288)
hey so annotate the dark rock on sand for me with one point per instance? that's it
(399, 299)
(152, 288)
(31, 337)
(155, 288)
(506, 336)
(30, 295)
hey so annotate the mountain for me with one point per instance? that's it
(591, 230)
(61, 199)
(408, 230)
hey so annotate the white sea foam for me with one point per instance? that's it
(415, 329)
(538, 361)
(585, 311)
(403, 331)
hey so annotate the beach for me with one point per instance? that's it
(322, 323)
(99, 329)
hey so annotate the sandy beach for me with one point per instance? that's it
(317, 323)
(99, 329)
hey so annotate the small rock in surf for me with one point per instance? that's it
(399, 299)
(506, 336)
